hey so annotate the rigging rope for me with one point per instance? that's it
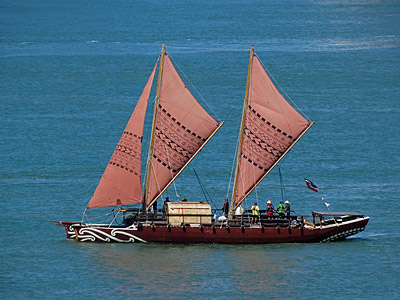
(147, 144)
(283, 191)
(203, 189)
(233, 169)
(254, 176)
(105, 216)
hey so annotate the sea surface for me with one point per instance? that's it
(71, 73)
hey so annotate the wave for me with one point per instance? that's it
(374, 42)
(378, 234)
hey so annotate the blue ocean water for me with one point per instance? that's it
(71, 73)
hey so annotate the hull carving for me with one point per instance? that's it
(99, 234)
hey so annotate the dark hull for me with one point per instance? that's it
(217, 234)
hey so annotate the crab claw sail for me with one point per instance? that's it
(270, 127)
(182, 128)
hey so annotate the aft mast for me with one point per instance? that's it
(246, 97)
(270, 128)
(151, 147)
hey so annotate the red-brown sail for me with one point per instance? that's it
(182, 127)
(271, 126)
(121, 181)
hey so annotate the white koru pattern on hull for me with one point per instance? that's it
(94, 234)
(71, 232)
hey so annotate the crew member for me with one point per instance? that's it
(287, 208)
(225, 208)
(281, 209)
(155, 207)
(270, 208)
(164, 209)
(254, 212)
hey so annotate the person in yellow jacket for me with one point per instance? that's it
(254, 212)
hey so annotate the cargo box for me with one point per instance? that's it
(188, 212)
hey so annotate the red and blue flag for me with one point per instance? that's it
(311, 185)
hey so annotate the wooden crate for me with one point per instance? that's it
(188, 212)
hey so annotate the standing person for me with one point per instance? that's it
(164, 209)
(287, 208)
(281, 209)
(270, 208)
(225, 207)
(254, 213)
(155, 207)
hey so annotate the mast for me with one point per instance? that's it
(246, 97)
(151, 147)
(270, 169)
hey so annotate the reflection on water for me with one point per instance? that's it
(156, 270)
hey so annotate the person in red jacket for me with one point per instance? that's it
(270, 208)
